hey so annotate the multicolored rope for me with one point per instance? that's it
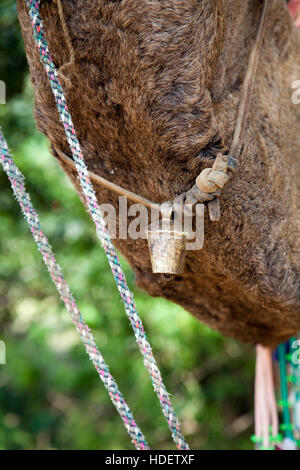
(102, 232)
(286, 427)
(18, 186)
(294, 381)
(287, 357)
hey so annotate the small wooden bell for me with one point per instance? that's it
(167, 248)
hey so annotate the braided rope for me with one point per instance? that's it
(18, 186)
(102, 232)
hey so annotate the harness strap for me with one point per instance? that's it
(101, 229)
(108, 184)
(247, 91)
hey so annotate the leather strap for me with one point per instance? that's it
(248, 86)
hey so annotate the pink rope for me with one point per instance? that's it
(266, 415)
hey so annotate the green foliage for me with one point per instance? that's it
(13, 62)
(50, 395)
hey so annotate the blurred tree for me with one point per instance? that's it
(13, 68)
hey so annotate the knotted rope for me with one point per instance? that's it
(18, 186)
(102, 232)
(213, 179)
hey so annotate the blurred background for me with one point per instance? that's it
(50, 394)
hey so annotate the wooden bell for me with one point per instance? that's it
(167, 248)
